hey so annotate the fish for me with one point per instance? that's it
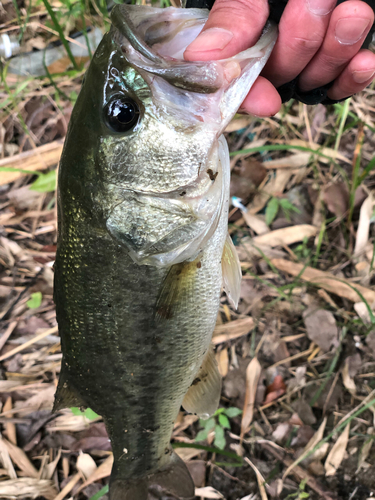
(143, 247)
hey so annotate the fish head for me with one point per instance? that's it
(154, 128)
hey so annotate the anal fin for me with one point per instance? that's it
(232, 275)
(203, 395)
(66, 396)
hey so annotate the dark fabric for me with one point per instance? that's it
(290, 90)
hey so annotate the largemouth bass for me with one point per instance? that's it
(143, 248)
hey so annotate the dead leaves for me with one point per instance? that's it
(327, 281)
(336, 455)
(27, 487)
(252, 378)
(321, 327)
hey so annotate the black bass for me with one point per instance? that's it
(143, 248)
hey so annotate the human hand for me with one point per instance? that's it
(318, 41)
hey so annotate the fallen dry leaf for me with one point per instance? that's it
(321, 327)
(286, 235)
(336, 198)
(260, 479)
(232, 330)
(275, 390)
(363, 230)
(27, 487)
(20, 459)
(208, 492)
(223, 362)
(86, 464)
(36, 159)
(365, 450)
(104, 470)
(336, 455)
(69, 486)
(347, 380)
(252, 378)
(328, 281)
(363, 312)
(318, 436)
(256, 223)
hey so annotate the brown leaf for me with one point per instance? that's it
(336, 198)
(27, 487)
(223, 362)
(21, 460)
(285, 236)
(336, 455)
(86, 464)
(321, 327)
(104, 470)
(347, 380)
(252, 378)
(197, 469)
(338, 286)
(275, 390)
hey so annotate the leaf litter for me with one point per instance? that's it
(298, 356)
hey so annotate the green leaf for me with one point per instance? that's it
(220, 441)
(232, 412)
(45, 182)
(100, 493)
(271, 210)
(202, 435)
(88, 413)
(208, 424)
(34, 301)
(223, 421)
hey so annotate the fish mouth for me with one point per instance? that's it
(154, 40)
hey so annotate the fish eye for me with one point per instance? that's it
(122, 113)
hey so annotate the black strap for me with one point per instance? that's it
(290, 90)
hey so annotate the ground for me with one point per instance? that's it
(296, 417)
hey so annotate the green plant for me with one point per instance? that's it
(302, 250)
(88, 413)
(301, 493)
(217, 423)
(45, 182)
(275, 204)
(35, 300)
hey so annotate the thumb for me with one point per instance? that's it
(232, 26)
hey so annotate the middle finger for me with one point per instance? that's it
(301, 32)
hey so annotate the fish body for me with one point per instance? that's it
(142, 208)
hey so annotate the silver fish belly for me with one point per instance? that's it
(143, 249)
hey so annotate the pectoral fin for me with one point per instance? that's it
(176, 286)
(232, 274)
(203, 395)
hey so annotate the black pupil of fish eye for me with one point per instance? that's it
(122, 114)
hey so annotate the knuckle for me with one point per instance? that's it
(308, 45)
(238, 8)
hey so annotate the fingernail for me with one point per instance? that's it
(320, 7)
(211, 39)
(363, 76)
(349, 31)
